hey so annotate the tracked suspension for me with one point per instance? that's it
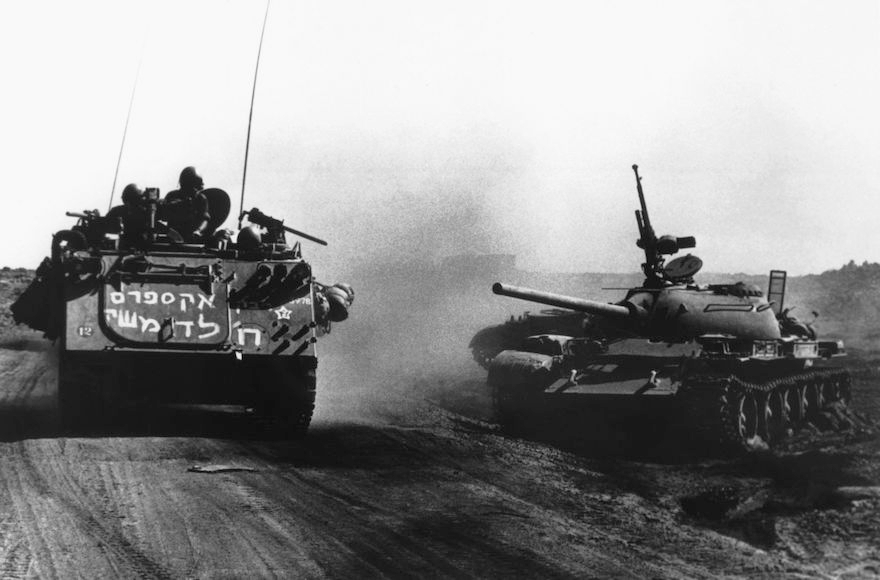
(743, 415)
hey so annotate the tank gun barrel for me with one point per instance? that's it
(579, 304)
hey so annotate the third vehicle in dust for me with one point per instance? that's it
(723, 361)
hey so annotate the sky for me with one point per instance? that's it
(401, 130)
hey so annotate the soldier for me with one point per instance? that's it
(186, 209)
(133, 216)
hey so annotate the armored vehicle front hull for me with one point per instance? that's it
(184, 326)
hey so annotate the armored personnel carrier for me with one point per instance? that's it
(142, 317)
(724, 362)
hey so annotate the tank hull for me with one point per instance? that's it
(640, 392)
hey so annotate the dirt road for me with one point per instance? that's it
(434, 494)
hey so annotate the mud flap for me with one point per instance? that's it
(36, 307)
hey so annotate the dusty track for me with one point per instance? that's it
(435, 495)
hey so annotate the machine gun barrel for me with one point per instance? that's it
(304, 235)
(579, 304)
(257, 217)
(647, 238)
(646, 221)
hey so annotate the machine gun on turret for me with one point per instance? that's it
(655, 248)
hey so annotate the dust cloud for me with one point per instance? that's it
(398, 198)
(406, 343)
(411, 247)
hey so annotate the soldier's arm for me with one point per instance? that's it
(200, 207)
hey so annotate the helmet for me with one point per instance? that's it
(190, 179)
(132, 194)
(248, 238)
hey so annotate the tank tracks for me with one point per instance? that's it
(715, 410)
(286, 403)
(745, 415)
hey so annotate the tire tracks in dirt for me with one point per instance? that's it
(490, 520)
(430, 499)
(61, 516)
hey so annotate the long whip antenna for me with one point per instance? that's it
(137, 75)
(247, 143)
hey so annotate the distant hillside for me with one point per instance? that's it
(847, 299)
(13, 281)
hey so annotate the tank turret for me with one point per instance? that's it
(669, 306)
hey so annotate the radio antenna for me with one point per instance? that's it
(247, 143)
(127, 118)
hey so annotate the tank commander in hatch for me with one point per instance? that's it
(186, 209)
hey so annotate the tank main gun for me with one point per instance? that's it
(655, 248)
(613, 311)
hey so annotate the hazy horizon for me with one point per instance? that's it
(395, 129)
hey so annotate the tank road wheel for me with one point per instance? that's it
(742, 416)
(287, 401)
(813, 402)
(748, 419)
(794, 403)
(845, 389)
(837, 388)
(831, 390)
(776, 418)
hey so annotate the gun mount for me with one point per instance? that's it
(655, 248)
(275, 227)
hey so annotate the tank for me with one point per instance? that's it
(726, 363)
(142, 318)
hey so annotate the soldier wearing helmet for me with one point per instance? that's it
(186, 209)
(131, 216)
